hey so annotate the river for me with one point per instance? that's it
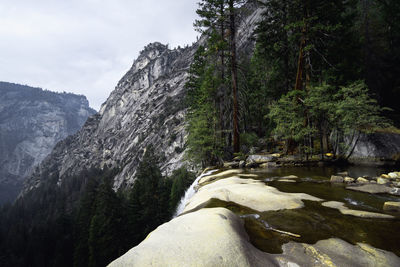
(315, 222)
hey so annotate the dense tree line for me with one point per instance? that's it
(49, 229)
(321, 71)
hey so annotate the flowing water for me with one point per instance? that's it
(189, 193)
(315, 222)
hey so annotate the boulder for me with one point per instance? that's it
(335, 252)
(250, 193)
(268, 165)
(357, 213)
(242, 164)
(259, 159)
(393, 175)
(391, 206)
(348, 180)
(385, 176)
(361, 180)
(371, 188)
(208, 237)
(336, 179)
(395, 191)
(376, 148)
(381, 180)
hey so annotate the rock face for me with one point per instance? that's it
(146, 108)
(32, 121)
(375, 147)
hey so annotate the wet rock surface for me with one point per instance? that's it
(358, 213)
(335, 252)
(250, 193)
(371, 188)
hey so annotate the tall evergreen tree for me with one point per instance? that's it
(149, 199)
(107, 230)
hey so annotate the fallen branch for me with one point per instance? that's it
(285, 233)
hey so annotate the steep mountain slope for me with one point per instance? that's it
(146, 108)
(32, 121)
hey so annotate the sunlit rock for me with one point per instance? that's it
(391, 206)
(208, 237)
(250, 193)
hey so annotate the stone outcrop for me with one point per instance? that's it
(32, 121)
(337, 179)
(250, 193)
(374, 148)
(146, 108)
(372, 188)
(216, 237)
(208, 237)
(335, 252)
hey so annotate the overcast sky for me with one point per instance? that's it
(85, 46)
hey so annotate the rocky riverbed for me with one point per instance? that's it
(277, 217)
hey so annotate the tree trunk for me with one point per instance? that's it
(222, 59)
(236, 142)
(321, 138)
(355, 143)
(300, 62)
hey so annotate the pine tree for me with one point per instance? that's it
(106, 232)
(149, 198)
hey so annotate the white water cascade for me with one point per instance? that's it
(189, 193)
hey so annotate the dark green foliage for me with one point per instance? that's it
(343, 42)
(378, 31)
(107, 227)
(149, 197)
(51, 228)
(341, 110)
(203, 143)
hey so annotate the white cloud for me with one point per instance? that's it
(85, 46)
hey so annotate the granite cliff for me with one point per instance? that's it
(32, 121)
(146, 108)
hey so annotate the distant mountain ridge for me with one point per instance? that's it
(32, 121)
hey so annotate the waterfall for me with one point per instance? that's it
(189, 193)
